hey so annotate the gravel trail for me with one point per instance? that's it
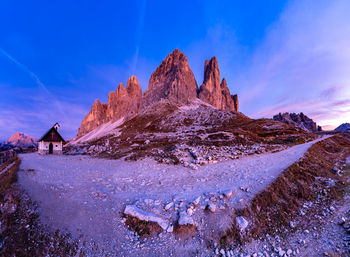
(85, 196)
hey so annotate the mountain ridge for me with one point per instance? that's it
(343, 127)
(299, 120)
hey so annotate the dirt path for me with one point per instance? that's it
(86, 196)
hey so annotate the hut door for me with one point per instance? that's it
(50, 148)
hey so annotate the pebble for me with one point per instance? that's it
(212, 207)
(281, 253)
(228, 193)
(170, 229)
(185, 219)
(196, 201)
(169, 206)
(190, 211)
(242, 223)
(291, 224)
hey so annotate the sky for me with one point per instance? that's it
(57, 57)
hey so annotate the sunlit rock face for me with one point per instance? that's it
(213, 92)
(172, 80)
(134, 91)
(95, 118)
(22, 140)
(122, 103)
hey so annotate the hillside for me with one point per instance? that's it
(343, 127)
(195, 133)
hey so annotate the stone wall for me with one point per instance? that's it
(9, 163)
(6, 156)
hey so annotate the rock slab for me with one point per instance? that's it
(136, 212)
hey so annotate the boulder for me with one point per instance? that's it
(142, 215)
(242, 223)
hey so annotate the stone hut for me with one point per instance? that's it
(51, 142)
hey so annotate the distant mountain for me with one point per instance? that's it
(19, 140)
(300, 120)
(343, 127)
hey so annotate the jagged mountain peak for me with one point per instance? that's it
(299, 120)
(133, 87)
(173, 81)
(212, 91)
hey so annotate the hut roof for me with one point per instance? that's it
(52, 135)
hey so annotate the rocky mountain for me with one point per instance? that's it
(173, 81)
(19, 140)
(343, 127)
(174, 121)
(299, 120)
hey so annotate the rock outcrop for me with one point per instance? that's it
(172, 81)
(299, 120)
(213, 92)
(145, 216)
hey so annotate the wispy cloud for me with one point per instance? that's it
(36, 109)
(24, 68)
(304, 60)
(301, 65)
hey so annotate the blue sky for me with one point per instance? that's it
(57, 57)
